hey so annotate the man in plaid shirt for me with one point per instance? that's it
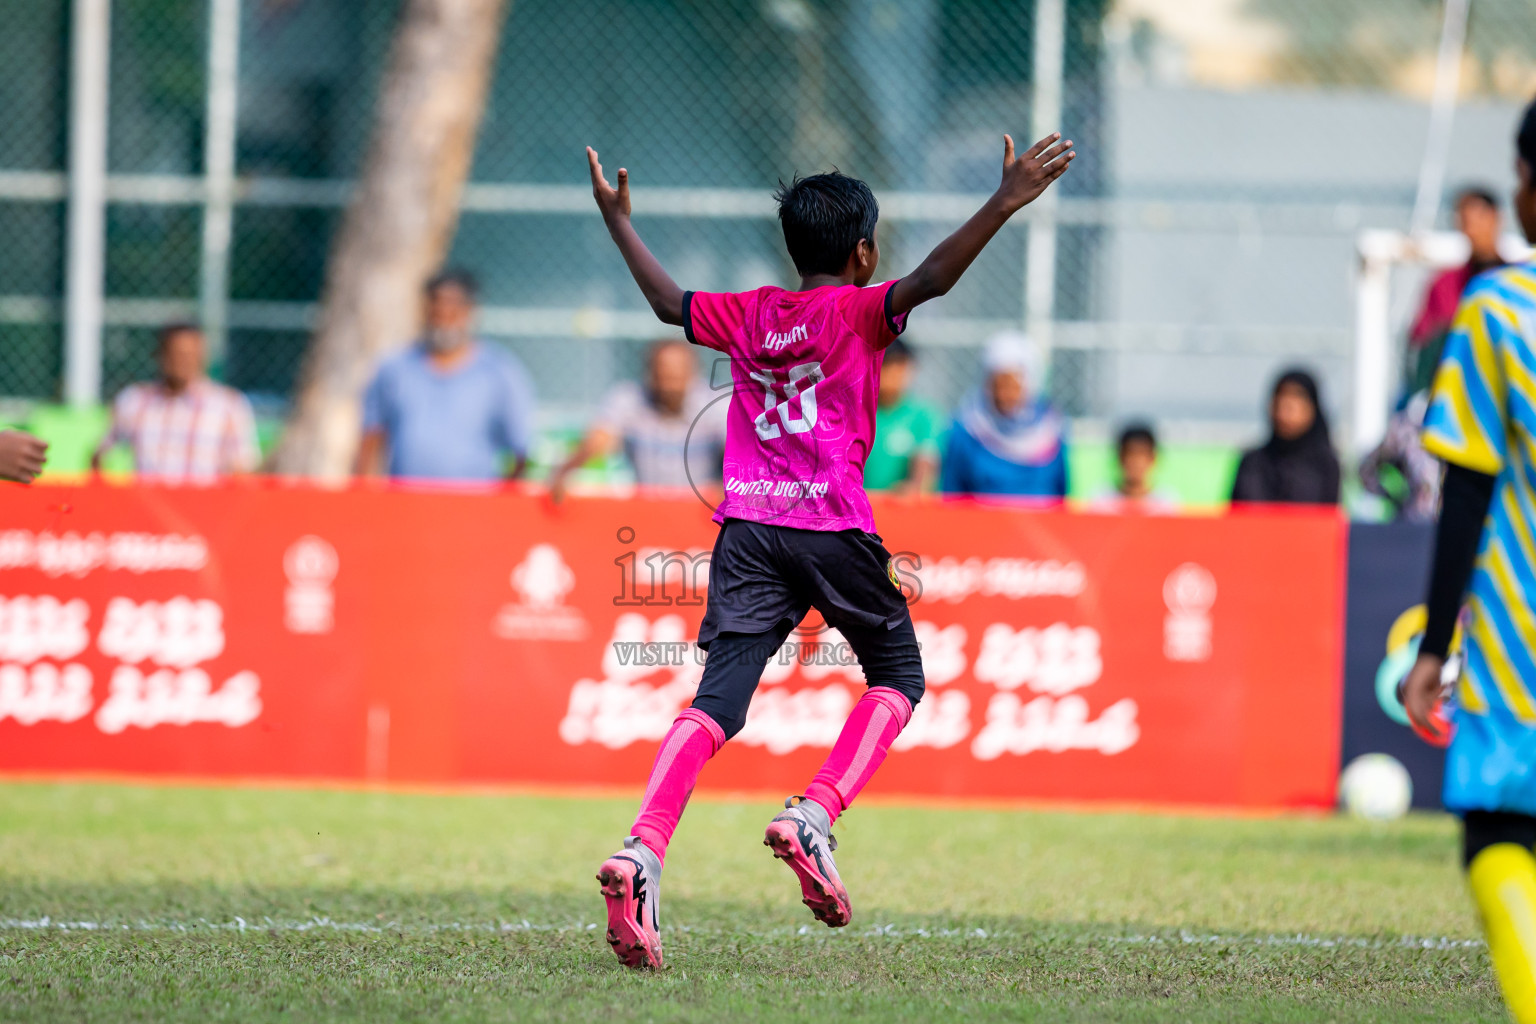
(183, 428)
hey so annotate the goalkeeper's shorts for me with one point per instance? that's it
(1491, 763)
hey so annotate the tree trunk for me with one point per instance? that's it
(399, 225)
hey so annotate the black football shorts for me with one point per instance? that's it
(765, 577)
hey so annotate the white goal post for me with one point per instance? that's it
(1378, 335)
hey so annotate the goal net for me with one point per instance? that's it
(1394, 270)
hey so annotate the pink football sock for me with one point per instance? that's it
(872, 725)
(693, 739)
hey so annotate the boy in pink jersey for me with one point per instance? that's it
(796, 530)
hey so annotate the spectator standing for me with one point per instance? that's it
(1007, 438)
(449, 407)
(1297, 464)
(671, 428)
(1477, 217)
(905, 456)
(183, 427)
(1136, 458)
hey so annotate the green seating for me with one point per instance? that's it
(72, 433)
(1199, 474)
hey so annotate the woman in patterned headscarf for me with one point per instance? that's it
(1007, 438)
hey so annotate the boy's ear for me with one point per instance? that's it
(859, 257)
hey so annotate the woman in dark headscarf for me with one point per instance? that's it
(1297, 464)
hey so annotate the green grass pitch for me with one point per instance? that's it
(201, 904)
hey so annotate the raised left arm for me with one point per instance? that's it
(663, 294)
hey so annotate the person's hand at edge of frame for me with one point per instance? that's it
(559, 488)
(22, 456)
(908, 492)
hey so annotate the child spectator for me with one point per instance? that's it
(1136, 458)
(1477, 218)
(905, 456)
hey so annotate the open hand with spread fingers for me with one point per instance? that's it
(1026, 177)
(614, 202)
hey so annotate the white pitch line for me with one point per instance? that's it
(1299, 939)
(267, 924)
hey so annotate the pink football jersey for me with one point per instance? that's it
(805, 371)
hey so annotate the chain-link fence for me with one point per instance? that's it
(1229, 154)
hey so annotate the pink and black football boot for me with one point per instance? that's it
(801, 836)
(631, 883)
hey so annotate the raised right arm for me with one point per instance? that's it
(665, 297)
(596, 441)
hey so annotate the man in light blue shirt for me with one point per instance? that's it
(448, 407)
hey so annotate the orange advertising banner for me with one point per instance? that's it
(438, 637)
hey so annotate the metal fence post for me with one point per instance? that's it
(1373, 341)
(1044, 116)
(1442, 110)
(85, 265)
(219, 173)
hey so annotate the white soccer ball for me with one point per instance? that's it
(1376, 787)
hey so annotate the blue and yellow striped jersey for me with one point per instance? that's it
(1483, 416)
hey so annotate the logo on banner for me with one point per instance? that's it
(309, 606)
(542, 580)
(1189, 591)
